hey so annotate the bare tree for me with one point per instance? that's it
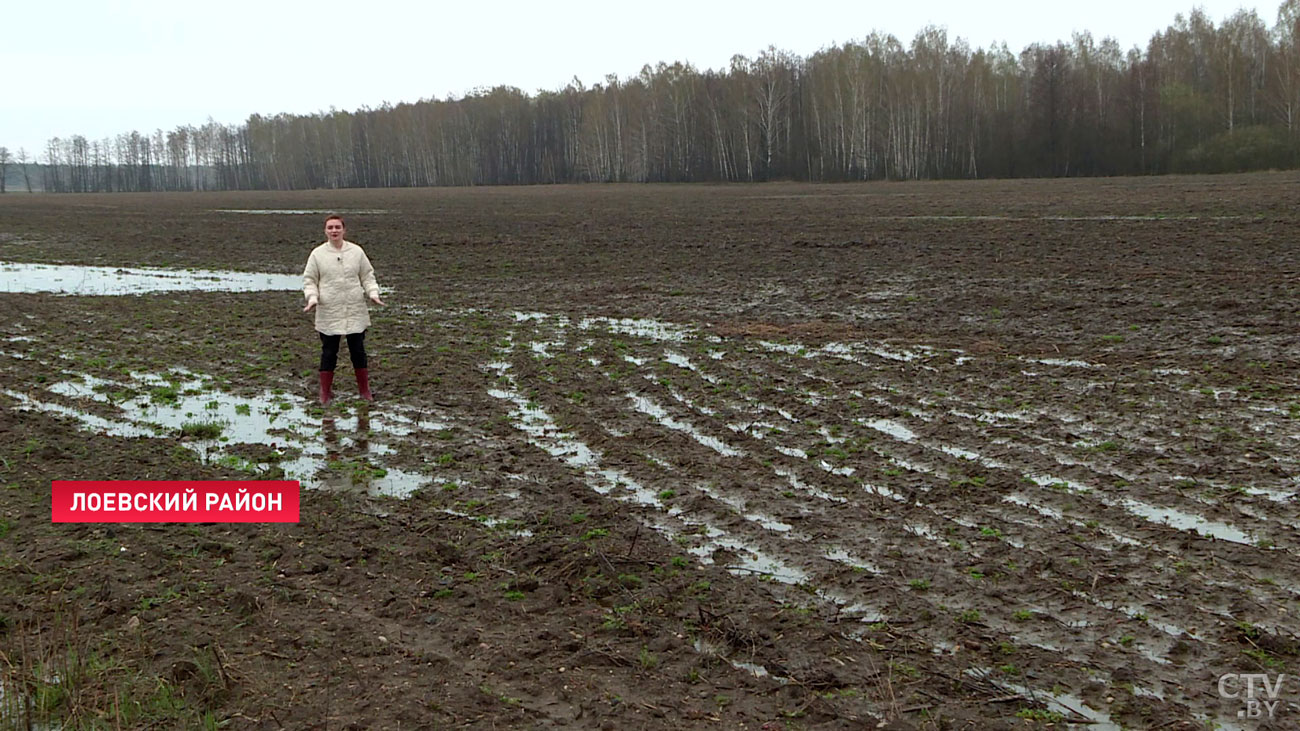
(1197, 98)
(22, 161)
(4, 167)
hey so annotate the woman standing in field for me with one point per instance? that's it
(336, 282)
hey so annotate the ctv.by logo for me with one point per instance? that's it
(1256, 690)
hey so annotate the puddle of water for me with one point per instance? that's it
(883, 491)
(682, 361)
(659, 461)
(1274, 494)
(830, 438)
(923, 531)
(297, 211)
(1047, 512)
(802, 486)
(655, 411)
(738, 505)
(544, 433)
(92, 422)
(991, 417)
(639, 327)
(892, 428)
(787, 348)
(704, 647)
(1168, 628)
(241, 420)
(839, 555)
(755, 429)
(1186, 521)
(903, 356)
(750, 560)
(491, 522)
(966, 522)
(689, 403)
(1156, 693)
(970, 456)
(841, 471)
(679, 360)
(1065, 362)
(1171, 517)
(98, 280)
(1065, 704)
(540, 348)
(527, 316)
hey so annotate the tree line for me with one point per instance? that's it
(1199, 98)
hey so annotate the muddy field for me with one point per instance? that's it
(921, 455)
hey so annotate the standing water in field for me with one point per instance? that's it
(98, 280)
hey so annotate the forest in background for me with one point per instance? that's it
(1200, 98)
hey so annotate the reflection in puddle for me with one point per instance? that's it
(1070, 706)
(680, 398)
(647, 406)
(265, 436)
(682, 361)
(639, 327)
(1156, 514)
(839, 555)
(1171, 517)
(745, 558)
(892, 428)
(1065, 362)
(491, 522)
(1186, 521)
(802, 486)
(791, 451)
(840, 471)
(787, 348)
(991, 417)
(738, 505)
(1047, 512)
(544, 433)
(95, 280)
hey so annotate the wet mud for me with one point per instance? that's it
(921, 455)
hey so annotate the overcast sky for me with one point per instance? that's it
(98, 68)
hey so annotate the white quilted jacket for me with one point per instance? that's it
(341, 280)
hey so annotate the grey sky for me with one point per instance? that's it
(98, 68)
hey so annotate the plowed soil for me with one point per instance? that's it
(903, 455)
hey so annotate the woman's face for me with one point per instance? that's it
(334, 230)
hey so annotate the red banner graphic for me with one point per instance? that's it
(174, 501)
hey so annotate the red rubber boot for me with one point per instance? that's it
(326, 386)
(363, 384)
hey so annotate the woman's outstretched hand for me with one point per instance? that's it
(311, 302)
(375, 298)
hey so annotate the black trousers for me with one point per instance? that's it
(329, 350)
